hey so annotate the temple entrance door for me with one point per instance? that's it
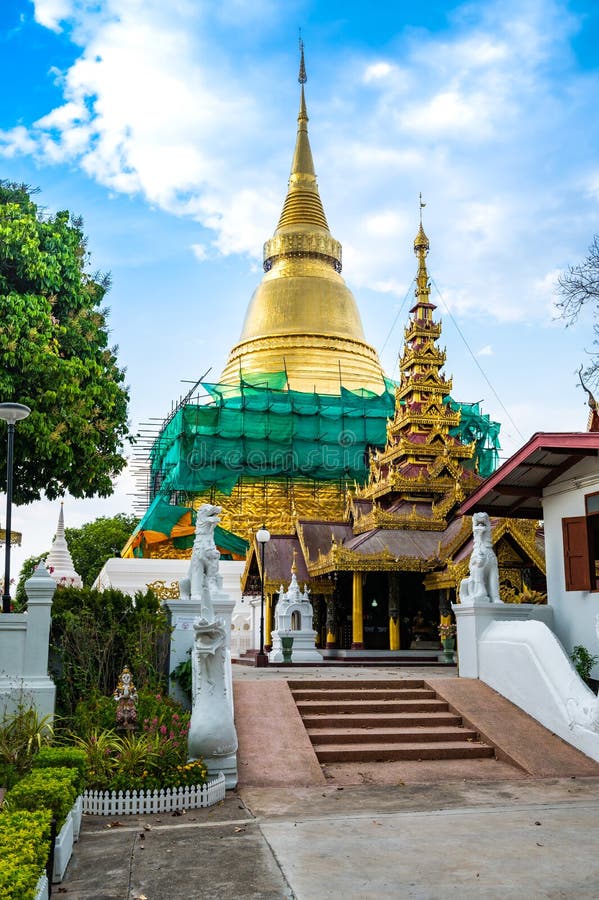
(376, 611)
(418, 614)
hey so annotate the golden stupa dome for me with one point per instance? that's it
(302, 318)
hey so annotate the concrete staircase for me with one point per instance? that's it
(351, 721)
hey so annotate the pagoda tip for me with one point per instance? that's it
(302, 77)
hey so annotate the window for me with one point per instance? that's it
(581, 548)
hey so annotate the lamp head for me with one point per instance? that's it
(263, 535)
(13, 412)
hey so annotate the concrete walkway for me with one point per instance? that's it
(528, 829)
(501, 839)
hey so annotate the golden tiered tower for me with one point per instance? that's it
(423, 472)
(381, 574)
(303, 319)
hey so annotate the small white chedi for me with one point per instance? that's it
(212, 734)
(482, 585)
(59, 562)
(293, 618)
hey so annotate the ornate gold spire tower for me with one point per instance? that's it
(421, 474)
(303, 319)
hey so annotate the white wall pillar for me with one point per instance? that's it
(25, 637)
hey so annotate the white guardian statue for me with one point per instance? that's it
(212, 734)
(482, 585)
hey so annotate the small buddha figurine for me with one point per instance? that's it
(126, 698)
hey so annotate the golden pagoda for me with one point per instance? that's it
(301, 400)
(303, 320)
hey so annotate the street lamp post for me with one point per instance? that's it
(263, 537)
(11, 413)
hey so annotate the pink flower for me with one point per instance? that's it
(163, 729)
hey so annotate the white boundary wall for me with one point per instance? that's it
(525, 662)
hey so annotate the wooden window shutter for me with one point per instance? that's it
(576, 554)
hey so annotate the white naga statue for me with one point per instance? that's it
(212, 734)
(482, 585)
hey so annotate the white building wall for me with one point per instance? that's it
(574, 611)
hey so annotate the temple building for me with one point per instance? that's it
(358, 477)
(382, 574)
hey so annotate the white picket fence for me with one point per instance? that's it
(123, 803)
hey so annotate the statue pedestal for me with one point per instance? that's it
(183, 613)
(304, 649)
(212, 735)
(472, 619)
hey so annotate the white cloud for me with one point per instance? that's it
(50, 13)
(16, 141)
(474, 117)
(377, 71)
(199, 251)
(487, 350)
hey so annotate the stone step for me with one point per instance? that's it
(338, 707)
(353, 683)
(433, 735)
(374, 720)
(384, 752)
(364, 695)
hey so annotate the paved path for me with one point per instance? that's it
(535, 838)
(530, 830)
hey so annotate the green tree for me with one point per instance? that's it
(578, 288)
(27, 569)
(94, 543)
(54, 355)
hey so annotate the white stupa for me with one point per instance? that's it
(59, 562)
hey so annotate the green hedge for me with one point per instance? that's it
(54, 789)
(64, 757)
(24, 849)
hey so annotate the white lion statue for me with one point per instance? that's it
(203, 578)
(482, 585)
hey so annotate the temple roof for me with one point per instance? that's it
(516, 488)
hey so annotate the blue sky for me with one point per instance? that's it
(170, 127)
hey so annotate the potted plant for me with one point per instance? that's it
(287, 647)
(447, 636)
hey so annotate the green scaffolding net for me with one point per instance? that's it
(259, 429)
(478, 427)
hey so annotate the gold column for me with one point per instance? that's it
(393, 632)
(357, 614)
(268, 623)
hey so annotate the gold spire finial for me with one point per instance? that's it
(294, 563)
(302, 77)
(421, 248)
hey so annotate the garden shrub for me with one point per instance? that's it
(22, 734)
(24, 849)
(53, 789)
(95, 633)
(69, 757)
(155, 757)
